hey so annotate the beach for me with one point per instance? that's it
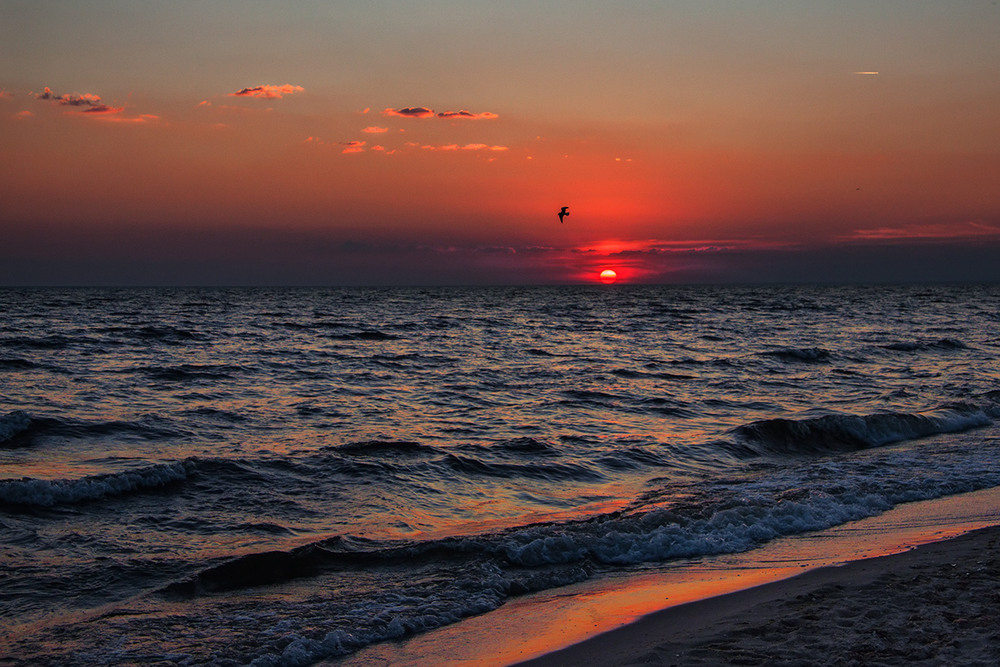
(935, 604)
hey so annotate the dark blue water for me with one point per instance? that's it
(282, 476)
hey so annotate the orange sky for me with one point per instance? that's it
(383, 143)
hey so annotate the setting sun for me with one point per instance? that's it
(608, 276)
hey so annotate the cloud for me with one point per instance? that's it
(5, 94)
(87, 103)
(85, 100)
(102, 109)
(928, 232)
(466, 147)
(483, 147)
(349, 147)
(485, 115)
(353, 146)
(69, 100)
(375, 130)
(268, 92)
(867, 73)
(424, 112)
(410, 112)
(142, 118)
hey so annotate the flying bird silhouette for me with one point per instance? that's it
(563, 212)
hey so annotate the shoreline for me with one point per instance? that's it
(638, 617)
(937, 602)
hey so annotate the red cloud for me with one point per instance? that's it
(268, 92)
(483, 147)
(409, 112)
(143, 118)
(375, 130)
(424, 112)
(485, 115)
(466, 147)
(91, 103)
(930, 232)
(103, 109)
(353, 146)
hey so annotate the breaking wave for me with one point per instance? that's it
(838, 433)
(47, 493)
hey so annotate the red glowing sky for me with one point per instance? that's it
(393, 143)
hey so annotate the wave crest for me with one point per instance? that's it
(47, 493)
(13, 424)
(835, 433)
(801, 354)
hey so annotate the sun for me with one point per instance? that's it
(608, 276)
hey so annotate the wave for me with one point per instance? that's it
(548, 471)
(310, 326)
(802, 354)
(523, 446)
(589, 396)
(367, 334)
(189, 372)
(17, 364)
(382, 448)
(515, 459)
(539, 352)
(634, 374)
(633, 458)
(51, 342)
(13, 424)
(912, 346)
(214, 473)
(146, 428)
(48, 493)
(839, 433)
(168, 334)
(666, 407)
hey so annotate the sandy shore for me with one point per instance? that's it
(936, 604)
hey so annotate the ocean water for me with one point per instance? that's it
(276, 477)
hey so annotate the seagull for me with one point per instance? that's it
(563, 212)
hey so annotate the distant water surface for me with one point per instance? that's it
(274, 477)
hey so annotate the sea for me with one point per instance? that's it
(285, 476)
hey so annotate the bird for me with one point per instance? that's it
(563, 212)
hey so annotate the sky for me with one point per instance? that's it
(375, 142)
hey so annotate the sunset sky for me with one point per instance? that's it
(428, 143)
